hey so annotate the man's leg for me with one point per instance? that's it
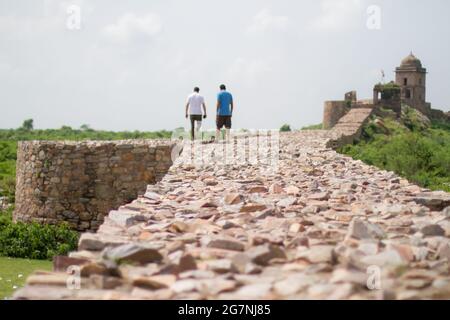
(192, 127)
(227, 129)
(198, 126)
(218, 127)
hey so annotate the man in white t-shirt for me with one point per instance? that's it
(194, 105)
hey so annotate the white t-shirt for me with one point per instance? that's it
(195, 101)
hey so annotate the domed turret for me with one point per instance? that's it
(411, 77)
(411, 61)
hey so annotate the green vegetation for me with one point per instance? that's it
(34, 241)
(313, 127)
(412, 147)
(7, 169)
(13, 273)
(388, 90)
(26, 132)
(285, 128)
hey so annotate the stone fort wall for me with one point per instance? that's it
(80, 182)
(333, 112)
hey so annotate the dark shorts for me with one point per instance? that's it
(223, 121)
(195, 117)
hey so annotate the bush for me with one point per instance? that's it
(420, 155)
(35, 241)
(285, 128)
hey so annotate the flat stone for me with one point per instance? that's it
(226, 244)
(133, 253)
(181, 261)
(152, 196)
(385, 258)
(433, 230)
(232, 198)
(287, 202)
(319, 196)
(434, 200)
(292, 285)
(292, 190)
(318, 254)
(155, 282)
(254, 291)
(221, 265)
(95, 242)
(257, 189)
(253, 207)
(262, 255)
(360, 229)
(126, 218)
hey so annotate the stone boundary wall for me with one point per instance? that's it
(333, 111)
(349, 127)
(80, 182)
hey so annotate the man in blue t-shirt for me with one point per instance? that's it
(224, 111)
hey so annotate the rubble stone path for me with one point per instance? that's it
(321, 227)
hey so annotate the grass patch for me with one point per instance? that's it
(13, 273)
(313, 127)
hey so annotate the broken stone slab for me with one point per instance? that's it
(293, 284)
(126, 219)
(254, 291)
(253, 207)
(257, 189)
(385, 258)
(263, 254)
(433, 230)
(317, 254)
(232, 198)
(321, 196)
(155, 282)
(152, 196)
(224, 243)
(43, 292)
(132, 253)
(179, 262)
(287, 202)
(360, 229)
(97, 242)
(434, 200)
(221, 265)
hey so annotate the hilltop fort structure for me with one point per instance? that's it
(409, 88)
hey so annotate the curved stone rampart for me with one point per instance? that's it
(333, 111)
(80, 182)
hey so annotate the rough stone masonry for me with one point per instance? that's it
(322, 226)
(80, 182)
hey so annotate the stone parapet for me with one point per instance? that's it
(80, 182)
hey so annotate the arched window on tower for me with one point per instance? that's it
(405, 81)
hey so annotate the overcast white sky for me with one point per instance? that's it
(132, 63)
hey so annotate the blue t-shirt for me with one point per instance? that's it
(224, 98)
